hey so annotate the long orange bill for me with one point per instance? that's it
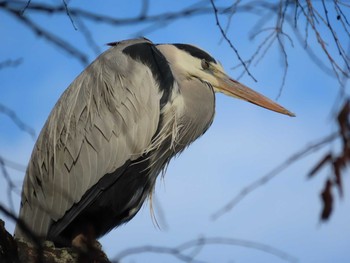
(235, 89)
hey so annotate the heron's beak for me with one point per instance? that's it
(235, 89)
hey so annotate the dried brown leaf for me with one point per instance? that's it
(337, 166)
(343, 121)
(327, 199)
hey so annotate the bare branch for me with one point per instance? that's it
(10, 185)
(273, 173)
(285, 12)
(179, 251)
(51, 37)
(20, 124)
(154, 249)
(228, 40)
(13, 165)
(10, 63)
(312, 20)
(335, 37)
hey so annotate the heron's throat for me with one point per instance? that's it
(186, 116)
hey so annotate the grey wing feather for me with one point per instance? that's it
(106, 117)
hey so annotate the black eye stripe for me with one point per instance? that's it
(196, 52)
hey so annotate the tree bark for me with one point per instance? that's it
(19, 251)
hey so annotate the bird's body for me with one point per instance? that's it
(111, 133)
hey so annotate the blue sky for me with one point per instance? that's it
(244, 142)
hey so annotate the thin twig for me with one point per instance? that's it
(26, 6)
(68, 14)
(88, 36)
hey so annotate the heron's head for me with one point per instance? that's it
(196, 63)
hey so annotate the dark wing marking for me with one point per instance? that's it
(149, 55)
(88, 198)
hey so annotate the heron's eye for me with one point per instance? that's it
(205, 64)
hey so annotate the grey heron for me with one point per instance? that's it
(113, 131)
